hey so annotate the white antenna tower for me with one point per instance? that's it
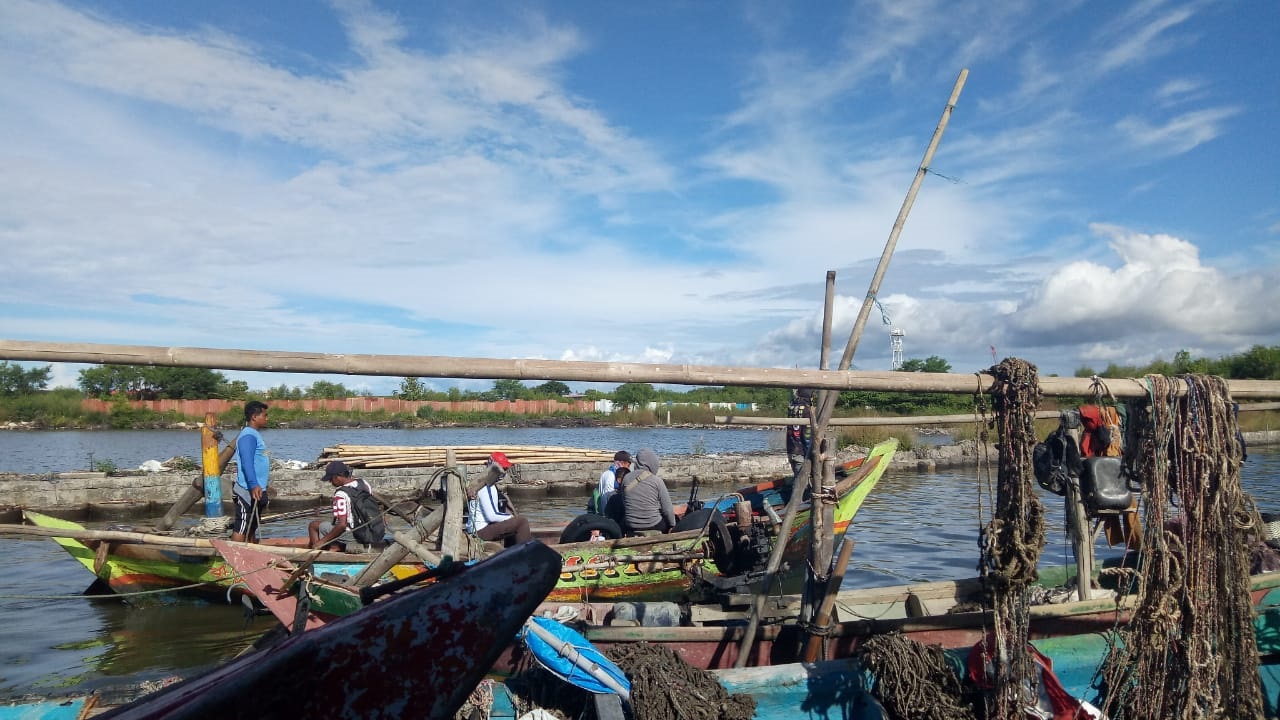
(895, 338)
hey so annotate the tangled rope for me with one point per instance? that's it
(665, 687)
(1011, 542)
(913, 681)
(1189, 650)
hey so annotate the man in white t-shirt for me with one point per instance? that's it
(346, 516)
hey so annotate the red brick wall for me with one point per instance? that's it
(198, 408)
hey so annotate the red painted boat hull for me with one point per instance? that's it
(417, 654)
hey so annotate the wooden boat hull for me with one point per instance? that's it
(610, 576)
(712, 646)
(416, 654)
(674, 566)
(839, 688)
(132, 568)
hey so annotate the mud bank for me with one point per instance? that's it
(98, 496)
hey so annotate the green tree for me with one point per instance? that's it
(412, 388)
(175, 383)
(553, 387)
(235, 390)
(15, 380)
(105, 380)
(183, 383)
(931, 364)
(509, 390)
(1257, 363)
(633, 395)
(284, 392)
(325, 390)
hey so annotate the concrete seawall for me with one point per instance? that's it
(100, 496)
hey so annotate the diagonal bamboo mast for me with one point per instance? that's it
(827, 396)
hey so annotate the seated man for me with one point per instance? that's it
(354, 509)
(608, 484)
(645, 496)
(491, 523)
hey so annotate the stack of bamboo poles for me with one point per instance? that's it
(404, 456)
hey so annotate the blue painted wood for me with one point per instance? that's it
(839, 688)
(44, 710)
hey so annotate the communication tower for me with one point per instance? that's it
(895, 337)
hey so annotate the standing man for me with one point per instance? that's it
(608, 484)
(799, 437)
(253, 466)
(648, 504)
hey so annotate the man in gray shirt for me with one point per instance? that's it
(648, 504)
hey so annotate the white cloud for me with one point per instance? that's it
(1160, 289)
(1177, 134)
(1141, 34)
(185, 188)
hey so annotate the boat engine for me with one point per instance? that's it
(754, 548)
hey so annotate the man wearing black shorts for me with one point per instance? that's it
(253, 466)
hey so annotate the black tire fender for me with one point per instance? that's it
(580, 529)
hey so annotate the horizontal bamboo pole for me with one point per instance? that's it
(917, 420)
(123, 536)
(533, 369)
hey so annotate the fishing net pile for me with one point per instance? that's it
(665, 687)
(1011, 542)
(913, 681)
(1190, 649)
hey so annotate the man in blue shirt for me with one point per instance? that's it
(253, 466)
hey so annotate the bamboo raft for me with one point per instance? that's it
(407, 456)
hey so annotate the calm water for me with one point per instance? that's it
(57, 451)
(913, 527)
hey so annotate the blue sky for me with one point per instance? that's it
(652, 182)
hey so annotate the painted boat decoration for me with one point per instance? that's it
(700, 566)
(418, 653)
(137, 566)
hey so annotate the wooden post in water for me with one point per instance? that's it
(212, 463)
(828, 303)
(209, 463)
(452, 536)
(822, 455)
(1081, 539)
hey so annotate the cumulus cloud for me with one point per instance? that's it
(1160, 290)
(469, 196)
